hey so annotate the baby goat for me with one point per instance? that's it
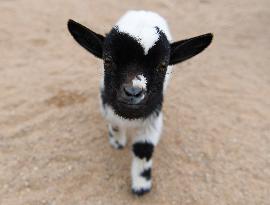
(138, 54)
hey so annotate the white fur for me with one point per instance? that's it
(167, 77)
(150, 130)
(118, 137)
(142, 26)
(139, 81)
(137, 167)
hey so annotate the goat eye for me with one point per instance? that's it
(107, 62)
(162, 66)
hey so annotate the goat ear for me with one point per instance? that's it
(88, 39)
(185, 49)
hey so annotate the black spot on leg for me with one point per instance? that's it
(146, 174)
(115, 129)
(143, 150)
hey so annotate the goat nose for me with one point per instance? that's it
(133, 91)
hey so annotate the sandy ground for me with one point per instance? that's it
(215, 148)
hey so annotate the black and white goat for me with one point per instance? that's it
(138, 55)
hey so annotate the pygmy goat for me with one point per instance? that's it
(138, 54)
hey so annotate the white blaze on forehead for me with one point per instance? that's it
(142, 25)
(139, 81)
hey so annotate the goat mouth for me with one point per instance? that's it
(131, 105)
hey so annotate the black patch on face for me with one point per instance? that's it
(146, 174)
(127, 59)
(143, 150)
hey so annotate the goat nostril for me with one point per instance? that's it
(133, 91)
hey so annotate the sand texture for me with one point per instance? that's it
(215, 147)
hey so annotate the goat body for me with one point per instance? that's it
(138, 55)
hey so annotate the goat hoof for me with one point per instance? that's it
(116, 144)
(141, 191)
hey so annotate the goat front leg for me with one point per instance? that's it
(143, 148)
(117, 136)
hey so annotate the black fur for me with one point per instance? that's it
(146, 174)
(128, 59)
(143, 150)
(185, 49)
(88, 39)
